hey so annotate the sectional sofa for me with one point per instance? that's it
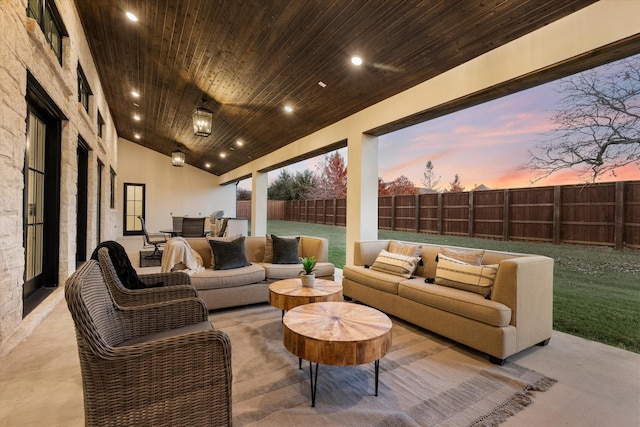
(250, 284)
(516, 313)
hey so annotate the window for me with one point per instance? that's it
(112, 200)
(84, 91)
(100, 124)
(47, 16)
(133, 207)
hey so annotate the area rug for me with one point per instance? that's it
(425, 380)
(147, 260)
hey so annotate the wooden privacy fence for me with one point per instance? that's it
(606, 214)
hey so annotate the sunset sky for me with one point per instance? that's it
(487, 144)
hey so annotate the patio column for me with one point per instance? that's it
(259, 203)
(362, 190)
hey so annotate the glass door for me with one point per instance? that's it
(35, 198)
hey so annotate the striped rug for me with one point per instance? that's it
(425, 380)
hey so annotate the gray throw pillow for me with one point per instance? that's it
(229, 255)
(285, 251)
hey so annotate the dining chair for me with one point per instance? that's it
(193, 227)
(152, 239)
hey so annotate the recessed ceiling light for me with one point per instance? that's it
(135, 94)
(136, 117)
(356, 60)
(223, 155)
(136, 135)
(239, 143)
(288, 108)
(131, 16)
(207, 165)
(322, 84)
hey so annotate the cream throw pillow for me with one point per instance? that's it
(473, 257)
(405, 249)
(393, 263)
(461, 275)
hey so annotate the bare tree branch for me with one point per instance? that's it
(597, 123)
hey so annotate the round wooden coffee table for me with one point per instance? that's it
(337, 333)
(289, 293)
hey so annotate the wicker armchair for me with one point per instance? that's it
(160, 364)
(176, 285)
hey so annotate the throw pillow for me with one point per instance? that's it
(285, 251)
(220, 239)
(405, 248)
(473, 257)
(393, 263)
(268, 249)
(229, 255)
(461, 275)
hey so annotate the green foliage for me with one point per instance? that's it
(596, 290)
(292, 187)
(308, 265)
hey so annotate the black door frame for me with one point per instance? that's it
(42, 106)
(82, 201)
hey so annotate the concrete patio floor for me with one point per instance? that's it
(598, 385)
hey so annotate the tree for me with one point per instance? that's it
(429, 178)
(280, 189)
(383, 188)
(332, 177)
(455, 186)
(243, 194)
(401, 186)
(304, 184)
(597, 124)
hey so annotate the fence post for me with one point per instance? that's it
(557, 214)
(505, 216)
(417, 219)
(471, 214)
(618, 239)
(393, 213)
(440, 214)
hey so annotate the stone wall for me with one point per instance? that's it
(23, 48)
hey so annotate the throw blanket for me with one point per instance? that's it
(177, 251)
(120, 260)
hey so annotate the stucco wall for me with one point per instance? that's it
(170, 191)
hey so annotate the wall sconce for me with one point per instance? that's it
(202, 121)
(177, 158)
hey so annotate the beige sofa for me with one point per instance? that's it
(250, 285)
(517, 315)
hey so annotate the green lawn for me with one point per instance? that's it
(596, 290)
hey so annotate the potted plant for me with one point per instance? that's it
(308, 267)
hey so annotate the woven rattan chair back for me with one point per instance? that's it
(94, 312)
(176, 285)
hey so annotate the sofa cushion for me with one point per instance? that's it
(470, 256)
(374, 279)
(467, 304)
(168, 333)
(460, 275)
(394, 263)
(285, 250)
(228, 255)
(217, 279)
(412, 250)
(290, 271)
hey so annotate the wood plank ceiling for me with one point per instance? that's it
(248, 58)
